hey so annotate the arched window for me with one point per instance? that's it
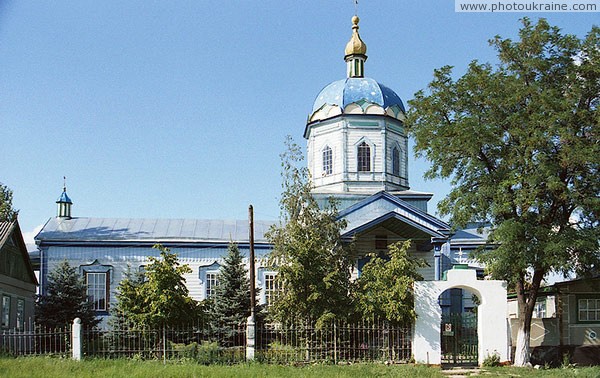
(396, 162)
(364, 157)
(327, 161)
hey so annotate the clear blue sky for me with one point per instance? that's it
(179, 109)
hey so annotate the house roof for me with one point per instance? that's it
(471, 235)
(81, 230)
(12, 228)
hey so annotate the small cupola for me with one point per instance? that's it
(355, 52)
(64, 204)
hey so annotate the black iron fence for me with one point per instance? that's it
(34, 339)
(303, 342)
(334, 342)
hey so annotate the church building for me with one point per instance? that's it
(357, 152)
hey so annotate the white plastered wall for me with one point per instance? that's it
(491, 316)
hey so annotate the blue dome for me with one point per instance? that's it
(353, 89)
(64, 198)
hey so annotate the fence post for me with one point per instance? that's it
(250, 338)
(335, 345)
(76, 339)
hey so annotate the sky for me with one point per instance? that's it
(179, 109)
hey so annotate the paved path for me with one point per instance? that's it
(459, 372)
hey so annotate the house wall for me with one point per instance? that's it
(17, 288)
(122, 259)
(574, 330)
(17, 292)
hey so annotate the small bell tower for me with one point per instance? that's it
(64, 203)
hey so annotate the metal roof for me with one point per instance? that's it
(150, 230)
(350, 90)
(64, 198)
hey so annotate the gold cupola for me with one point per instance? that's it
(355, 53)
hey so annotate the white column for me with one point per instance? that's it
(76, 342)
(250, 338)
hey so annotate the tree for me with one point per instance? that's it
(312, 260)
(520, 142)
(160, 297)
(7, 213)
(384, 288)
(231, 302)
(65, 299)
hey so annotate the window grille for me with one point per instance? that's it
(396, 162)
(97, 289)
(364, 157)
(589, 310)
(5, 311)
(271, 288)
(20, 314)
(211, 284)
(327, 161)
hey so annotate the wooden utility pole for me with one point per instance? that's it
(251, 322)
(252, 278)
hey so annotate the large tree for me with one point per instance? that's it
(7, 213)
(384, 288)
(313, 262)
(520, 141)
(65, 299)
(159, 297)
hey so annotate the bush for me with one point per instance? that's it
(492, 360)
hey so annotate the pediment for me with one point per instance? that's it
(385, 210)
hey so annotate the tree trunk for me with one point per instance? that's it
(522, 351)
(526, 301)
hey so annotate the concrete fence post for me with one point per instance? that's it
(250, 338)
(76, 339)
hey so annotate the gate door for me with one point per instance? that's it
(459, 339)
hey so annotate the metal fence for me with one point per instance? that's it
(335, 342)
(303, 342)
(35, 340)
(198, 342)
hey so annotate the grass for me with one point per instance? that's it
(47, 367)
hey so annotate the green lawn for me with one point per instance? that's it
(56, 367)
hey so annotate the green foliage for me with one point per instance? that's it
(231, 303)
(65, 299)
(491, 360)
(34, 367)
(7, 213)
(521, 144)
(384, 288)
(159, 296)
(312, 261)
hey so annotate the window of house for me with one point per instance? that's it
(364, 157)
(20, 314)
(97, 289)
(539, 310)
(5, 311)
(327, 161)
(211, 284)
(396, 161)
(271, 288)
(588, 309)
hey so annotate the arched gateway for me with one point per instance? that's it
(492, 328)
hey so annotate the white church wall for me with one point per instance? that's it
(120, 260)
